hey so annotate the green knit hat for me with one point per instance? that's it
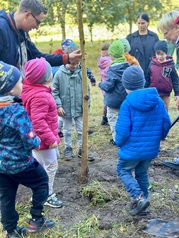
(116, 49)
(126, 44)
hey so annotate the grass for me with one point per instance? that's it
(99, 195)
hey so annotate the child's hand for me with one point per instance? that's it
(93, 84)
(37, 148)
(54, 145)
(61, 112)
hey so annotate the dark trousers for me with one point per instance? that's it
(35, 177)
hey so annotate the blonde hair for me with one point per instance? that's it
(165, 22)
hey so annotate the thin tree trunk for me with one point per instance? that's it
(84, 161)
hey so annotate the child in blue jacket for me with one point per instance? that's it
(142, 123)
(17, 165)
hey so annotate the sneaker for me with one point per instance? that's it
(20, 231)
(174, 164)
(145, 212)
(60, 133)
(112, 142)
(53, 201)
(39, 224)
(68, 153)
(138, 205)
(90, 132)
(104, 121)
(90, 156)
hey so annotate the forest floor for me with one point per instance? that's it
(99, 207)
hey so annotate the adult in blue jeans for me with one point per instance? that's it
(142, 123)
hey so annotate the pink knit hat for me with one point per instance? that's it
(37, 71)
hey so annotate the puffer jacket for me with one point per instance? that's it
(163, 76)
(41, 108)
(142, 122)
(68, 92)
(17, 137)
(114, 90)
(103, 64)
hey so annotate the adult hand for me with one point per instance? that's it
(177, 101)
(75, 56)
(54, 145)
(61, 112)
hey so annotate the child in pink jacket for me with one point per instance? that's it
(103, 63)
(41, 108)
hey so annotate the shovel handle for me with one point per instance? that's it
(174, 121)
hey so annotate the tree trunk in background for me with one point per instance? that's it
(84, 161)
(63, 25)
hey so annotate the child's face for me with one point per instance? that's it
(161, 56)
(17, 89)
(72, 66)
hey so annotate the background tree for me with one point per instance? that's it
(98, 12)
(131, 9)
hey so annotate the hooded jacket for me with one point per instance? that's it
(142, 122)
(41, 108)
(10, 44)
(68, 92)
(103, 64)
(17, 137)
(114, 90)
(163, 76)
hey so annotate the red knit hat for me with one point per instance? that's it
(176, 21)
(37, 71)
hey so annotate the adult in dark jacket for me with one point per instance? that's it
(16, 47)
(142, 42)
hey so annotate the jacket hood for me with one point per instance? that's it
(3, 15)
(118, 68)
(31, 89)
(169, 60)
(143, 99)
(64, 69)
(104, 62)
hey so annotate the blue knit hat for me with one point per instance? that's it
(133, 78)
(161, 45)
(66, 43)
(9, 76)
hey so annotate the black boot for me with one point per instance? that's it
(104, 121)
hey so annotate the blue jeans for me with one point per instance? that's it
(134, 185)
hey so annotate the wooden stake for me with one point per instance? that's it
(84, 162)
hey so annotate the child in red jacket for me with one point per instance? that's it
(41, 108)
(162, 73)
